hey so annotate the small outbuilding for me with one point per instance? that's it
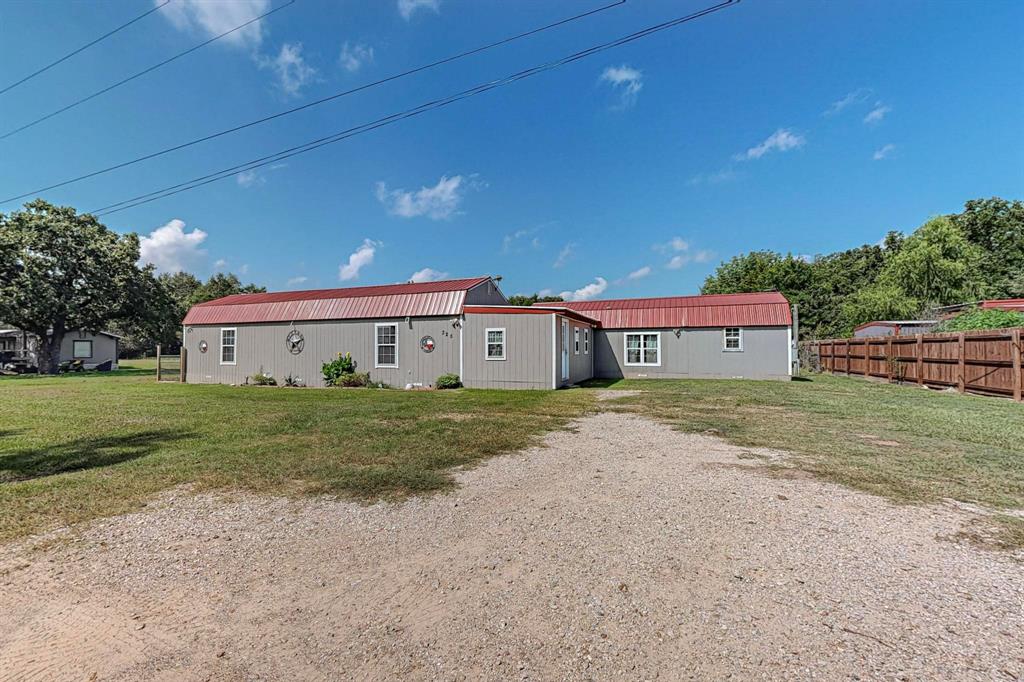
(407, 335)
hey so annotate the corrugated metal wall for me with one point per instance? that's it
(263, 346)
(527, 352)
(581, 367)
(103, 348)
(698, 353)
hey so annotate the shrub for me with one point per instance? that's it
(448, 381)
(293, 381)
(337, 368)
(353, 379)
(978, 318)
(262, 378)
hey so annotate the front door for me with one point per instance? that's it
(565, 350)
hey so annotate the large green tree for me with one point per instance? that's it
(62, 271)
(220, 285)
(996, 226)
(522, 299)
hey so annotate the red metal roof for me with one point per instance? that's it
(768, 309)
(1004, 304)
(526, 310)
(422, 299)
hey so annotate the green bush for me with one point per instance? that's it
(353, 379)
(334, 370)
(978, 318)
(448, 381)
(262, 378)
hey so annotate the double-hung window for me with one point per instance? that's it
(733, 339)
(495, 344)
(643, 348)
(586, 340)
(227, 346)
(81, 349)
(576, 340)
(385, 351)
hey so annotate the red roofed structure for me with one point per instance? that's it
(766, 309)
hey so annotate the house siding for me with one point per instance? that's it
(263, 347)
(486, 293)
(698, 353)
(581, 367)
(527, 362)
(103, 348)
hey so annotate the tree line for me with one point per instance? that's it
(950, 259)
(62, 271)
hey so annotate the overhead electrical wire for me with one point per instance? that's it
(150, 69)
(387, 120)
(323, 100)
(71, 54)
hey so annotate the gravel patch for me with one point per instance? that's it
(622, 549)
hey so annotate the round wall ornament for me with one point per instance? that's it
(203, 346)
(427, 344)
(294, 342)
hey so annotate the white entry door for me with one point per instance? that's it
(565, 350)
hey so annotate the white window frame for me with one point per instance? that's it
(487, 343)
(625, 349)
(725, 340)
(74, 352)
(377, 345)
(586, 340)
(576, 340)
(233, 345)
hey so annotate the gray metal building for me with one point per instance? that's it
(410, 334)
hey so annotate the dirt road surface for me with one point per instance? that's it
(621, 550)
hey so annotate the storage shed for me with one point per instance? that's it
(410, 334)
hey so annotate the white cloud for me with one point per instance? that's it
(883, 152)
(781, 140)
(171, 249)
(565, 255)
(713, 178)
(243, 269)
(517, 241)
(409, 7)
(220, 264)
(639, 273)
(214, 18)
(292, 71)
(876, 115)
(585, 293)
(358, 260)
(438, 202)
(301, 279)
(427, 275)
(625, 80)
(855, 97)
(249, 178)
(354, 56)
(679, 260)
(674, 244)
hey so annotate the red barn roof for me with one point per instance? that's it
(768, 309)
(1004, 304)
(421, 299)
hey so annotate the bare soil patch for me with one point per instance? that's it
(622, 549)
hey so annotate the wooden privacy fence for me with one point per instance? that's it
(986, 362)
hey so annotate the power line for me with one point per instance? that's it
(69, 55)
(409, 113)
(141, 73)
(314, 103)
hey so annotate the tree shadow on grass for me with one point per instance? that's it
(83, 453)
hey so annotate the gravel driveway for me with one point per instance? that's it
(623, 549)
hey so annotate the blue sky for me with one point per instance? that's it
(793, 126)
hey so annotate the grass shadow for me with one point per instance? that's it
(84, 453)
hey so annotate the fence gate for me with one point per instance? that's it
(170, 367)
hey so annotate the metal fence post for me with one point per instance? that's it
(158, 362)
(182, 364)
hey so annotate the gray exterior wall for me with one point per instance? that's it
(485, 294)
(103, 348)
(581, 366)
(698, 353)
(889, 330)
(527, 362)
(263, 346)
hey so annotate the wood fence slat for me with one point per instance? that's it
(961, 378)
(1015, 353)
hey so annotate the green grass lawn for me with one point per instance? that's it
(904, 443)
(78, 447)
